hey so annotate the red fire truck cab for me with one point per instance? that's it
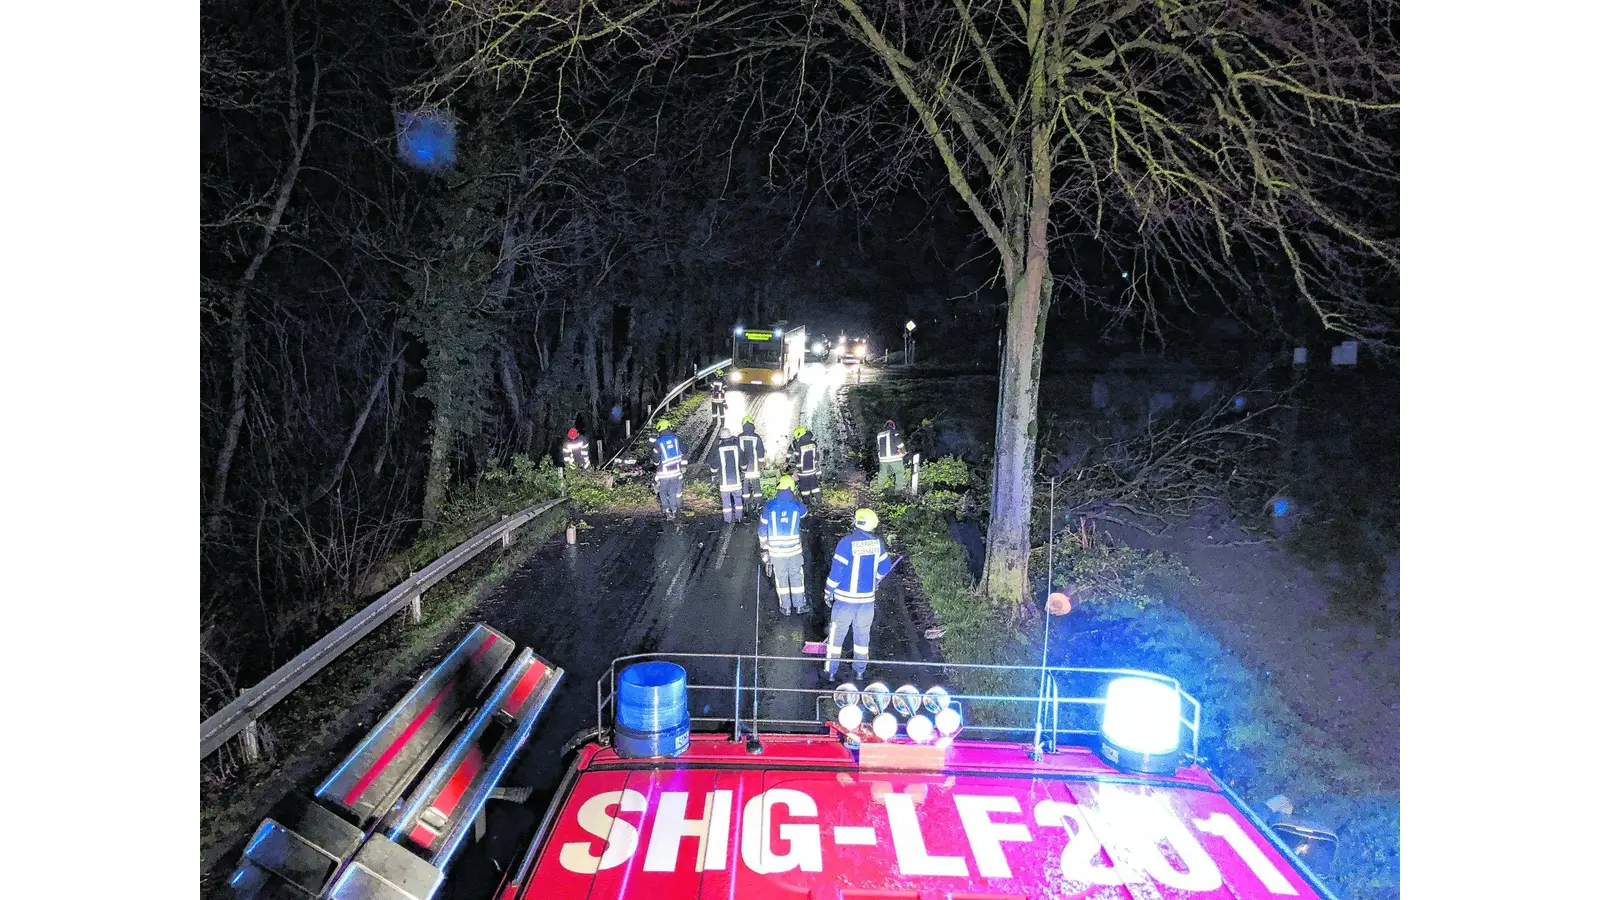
(1090, 789)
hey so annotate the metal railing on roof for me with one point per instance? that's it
(1073, 694)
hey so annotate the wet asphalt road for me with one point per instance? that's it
(643, 584)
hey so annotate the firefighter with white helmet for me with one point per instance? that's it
(807, 464)
(779, 535)
(667, 451)
(730, 476)
(859, 564)
(575, 452)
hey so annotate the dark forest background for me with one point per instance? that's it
(373, 334)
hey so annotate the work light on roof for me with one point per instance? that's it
(884, 726)
(778, 333)
(847, 694)
(850, 717)
(906, 699)
(738, 329)
(875, 697)
(920, 729)
(1140, 729)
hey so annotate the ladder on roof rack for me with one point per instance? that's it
(386, 824)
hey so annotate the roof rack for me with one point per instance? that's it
(723, 689)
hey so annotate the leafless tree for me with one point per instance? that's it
(1240, 153)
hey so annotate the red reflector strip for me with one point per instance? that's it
(394, 748)
(399, 743)
(519, 695)
(450, 795)
(509, 892)
(488, 642)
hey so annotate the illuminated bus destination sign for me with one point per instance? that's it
(725, 833)
(758, 335)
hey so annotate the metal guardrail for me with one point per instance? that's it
(255, 701)
(661, 407)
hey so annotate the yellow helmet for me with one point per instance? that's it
(800, 432)
(866, 519)
(663, 425)
(785, 483)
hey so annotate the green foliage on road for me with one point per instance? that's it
(589, 492)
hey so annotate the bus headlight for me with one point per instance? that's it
(1139, 731)
(817, 347)
(736, 377)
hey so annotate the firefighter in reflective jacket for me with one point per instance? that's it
(751, 452)
(730, 477)
(780, 547)
(719, 396)
(575, 453)
(859, 563)
(891, 457)
(667, 452)
(807, 463)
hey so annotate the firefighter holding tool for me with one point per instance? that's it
(860, 563)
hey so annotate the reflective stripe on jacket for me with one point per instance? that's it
(577, 452)
(668, 454)
(779, 532)
(859, 563)
(890, 447)
(806, 452)
(728, 470)
(752, 450)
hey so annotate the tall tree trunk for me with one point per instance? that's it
(332, 478)
(439, 447)
(1005, 566)
(591, 375)
(238, 312)
(511, 382)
